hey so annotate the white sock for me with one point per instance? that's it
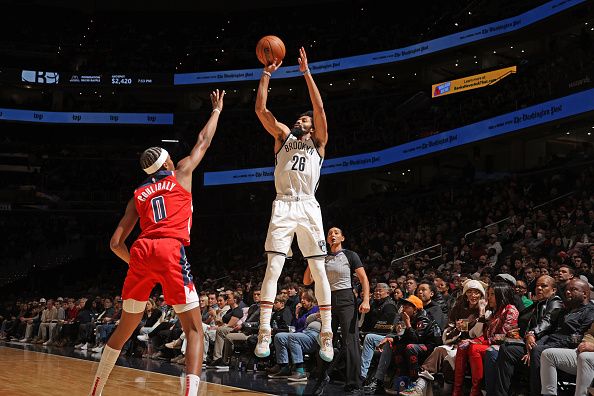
(192, 384)
(326, 316)
(322, 288)
(108, 359)
(265, 315)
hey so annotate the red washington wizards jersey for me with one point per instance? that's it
(164, 207)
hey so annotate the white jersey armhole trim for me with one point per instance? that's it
(317, 151)
(282, 145)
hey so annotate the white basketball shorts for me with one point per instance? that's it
(301, 216)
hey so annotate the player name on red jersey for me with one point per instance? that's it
(153, 188)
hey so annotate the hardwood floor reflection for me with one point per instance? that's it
(33, 373)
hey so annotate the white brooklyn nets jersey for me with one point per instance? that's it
(295, 209)
(297, 170)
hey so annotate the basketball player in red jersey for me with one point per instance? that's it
(164, 205)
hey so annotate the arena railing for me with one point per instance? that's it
(509, 217)
(540, 172)
(416, 253)
(469, 233)
(396, 260)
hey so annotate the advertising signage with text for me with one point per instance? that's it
(556, 109)
(396, 55)
(472, 82)
(117, 79)
(77, 79)
(59, 117)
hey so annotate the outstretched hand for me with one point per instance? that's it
(303, 67)
(216, 98)
(271, 68)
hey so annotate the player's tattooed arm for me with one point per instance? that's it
(320, 135)
(124, 228)
(277, 129)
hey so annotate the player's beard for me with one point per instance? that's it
(297, 132)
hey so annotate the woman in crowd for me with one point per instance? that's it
(463, 317)
(224, 327)
(223, 307)
(500, 323)
(152, 314)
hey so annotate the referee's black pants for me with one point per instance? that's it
(344, 312)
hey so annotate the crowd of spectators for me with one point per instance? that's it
(524, 250)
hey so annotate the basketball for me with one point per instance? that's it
(268, 48)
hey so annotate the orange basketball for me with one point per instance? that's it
(269, 48)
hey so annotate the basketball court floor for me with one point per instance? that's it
(33, 370)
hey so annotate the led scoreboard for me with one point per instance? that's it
(88, 79)
(134, 79)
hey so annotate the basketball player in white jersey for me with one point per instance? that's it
(299, 154)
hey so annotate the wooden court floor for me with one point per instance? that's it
(34, 373)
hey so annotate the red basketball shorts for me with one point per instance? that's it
(161, 261)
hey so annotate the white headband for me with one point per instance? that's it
(158, 163)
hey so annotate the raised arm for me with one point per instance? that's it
(320, 135)
(186, 165)
(277, 129)
(124, 228)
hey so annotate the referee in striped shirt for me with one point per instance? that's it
(340, 265)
